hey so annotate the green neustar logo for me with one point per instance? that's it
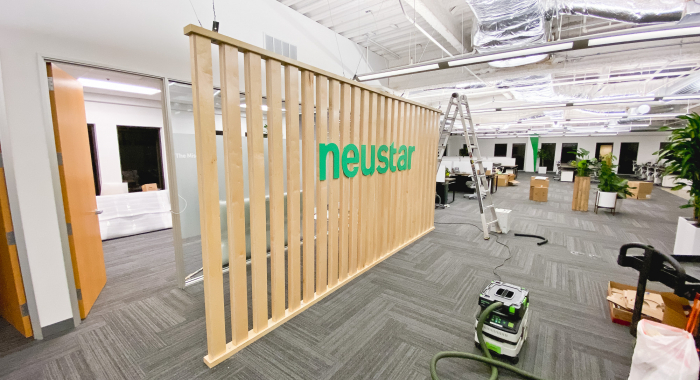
(351, 156)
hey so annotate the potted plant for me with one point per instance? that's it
(544, 155)
(682, 158)
(582, 182)
(611, 189)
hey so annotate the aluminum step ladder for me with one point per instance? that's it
(458, 109)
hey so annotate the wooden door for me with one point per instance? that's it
(13, 302)
(77, 186)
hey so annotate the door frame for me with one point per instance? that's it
(7, 161)
(42, 59)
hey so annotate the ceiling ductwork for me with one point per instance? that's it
(513, 23)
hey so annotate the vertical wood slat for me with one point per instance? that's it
(207, 181)
(380, 247)
(235, 206)
(321, 188)
(375, 112)
(436, 139)
(413, 170)
(425, 159)
(334, 184)
(308, 178)
(354, 244)
(388, 195)
(291, 97)
(364, 186)
(406, 220)
(256, 186)
(273, 83)
(344, 220)
(395, 183)
(400, 140)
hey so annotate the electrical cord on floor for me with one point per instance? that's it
(510, 254)
(487, 358)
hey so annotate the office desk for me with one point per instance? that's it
(491, 178)
(446, 190)
(567, 173)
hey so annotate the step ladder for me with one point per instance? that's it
(458, 109)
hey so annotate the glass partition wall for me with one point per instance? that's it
(183, 141)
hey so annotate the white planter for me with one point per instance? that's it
(687, 238)
(542, 170)
(606, 200)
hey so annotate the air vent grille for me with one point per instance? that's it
(280, 47)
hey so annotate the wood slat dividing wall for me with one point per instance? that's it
(346, 225)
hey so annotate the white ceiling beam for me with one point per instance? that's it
(439, 19)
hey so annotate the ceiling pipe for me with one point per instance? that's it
(413, 21)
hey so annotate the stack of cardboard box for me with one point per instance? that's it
(539, 188)
(506, 179)
(642, 190)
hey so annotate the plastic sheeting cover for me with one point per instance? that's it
(505, 23)
(133, 213)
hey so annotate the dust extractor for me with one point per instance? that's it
(505, 329)
(502, 323)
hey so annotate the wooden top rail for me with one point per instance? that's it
(246, 47)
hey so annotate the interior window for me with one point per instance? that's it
(140, 157)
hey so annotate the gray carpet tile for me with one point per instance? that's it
(387, 323)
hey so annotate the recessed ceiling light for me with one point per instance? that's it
(106, 85)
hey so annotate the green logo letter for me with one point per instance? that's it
(323, 150)
(401, 163)
(350, 160)
(367, 170)
(392, 150)
(382, 159)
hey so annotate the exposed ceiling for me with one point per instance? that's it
(632, 70)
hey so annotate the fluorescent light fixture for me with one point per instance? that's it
(681, 97)
(645, 36)
(530, 107)
(408, 70)
(613, 101)
(512, 54)
(106, 85)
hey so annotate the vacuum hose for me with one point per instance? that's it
(487, 355)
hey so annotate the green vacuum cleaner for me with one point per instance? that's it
(501, 327)
(505, 329)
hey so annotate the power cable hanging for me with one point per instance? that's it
(195, 14)
(342, 66)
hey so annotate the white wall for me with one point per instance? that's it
(139, 36)
(648, 144)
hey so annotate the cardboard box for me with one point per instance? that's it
(488, 172)
(149, 187)
(539, 181)
(642, 191)
(511, 177)
(539, 194)
(502, 180)
(674, 313)
(539, 188)
(513, 183)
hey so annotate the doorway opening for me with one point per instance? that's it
(603, 149)
(87, 104)
(568, 152)
(519, 155)
(628, 156)
(547, 155)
